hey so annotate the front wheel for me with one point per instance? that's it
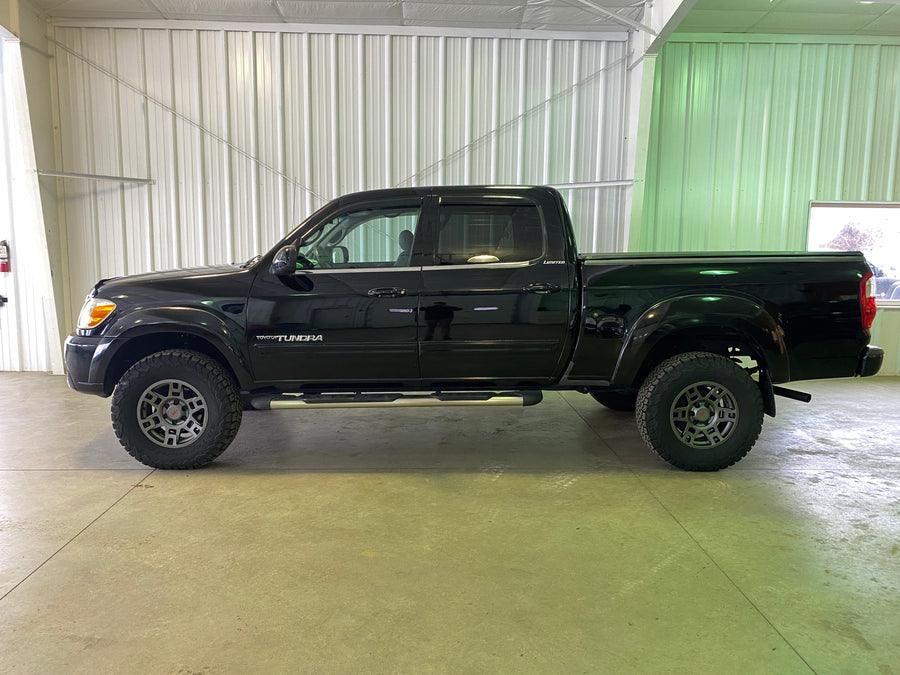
(699, 411)
(176, 409)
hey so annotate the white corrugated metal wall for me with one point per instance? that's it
(29, 335)
(245, 133)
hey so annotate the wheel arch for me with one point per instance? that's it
(728, 325)
(151, 332)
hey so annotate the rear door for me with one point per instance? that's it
(494, 305)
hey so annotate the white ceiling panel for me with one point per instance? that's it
(224, 9)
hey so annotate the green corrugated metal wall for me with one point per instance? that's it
(745, 132)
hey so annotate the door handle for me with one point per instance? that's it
(542, 288)
(386, 292)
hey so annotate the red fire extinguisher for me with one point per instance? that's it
(4, 256)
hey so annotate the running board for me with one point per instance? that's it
(395, 400)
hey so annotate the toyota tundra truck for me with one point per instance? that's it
(458, 296)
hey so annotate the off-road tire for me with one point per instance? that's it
(615, 400)
(699, 411)
(176, 409)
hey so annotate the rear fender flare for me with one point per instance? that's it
(699, 318)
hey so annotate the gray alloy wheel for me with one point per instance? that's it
(172, 413)
(704, 415)
(699, 411)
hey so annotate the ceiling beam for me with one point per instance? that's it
(155, 8)
(618, 18)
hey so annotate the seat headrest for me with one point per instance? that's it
(406, 240)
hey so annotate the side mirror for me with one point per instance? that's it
(285, 261)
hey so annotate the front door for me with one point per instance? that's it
(348, 314)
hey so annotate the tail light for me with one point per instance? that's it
(867, 300)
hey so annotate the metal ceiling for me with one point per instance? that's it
(794, 17)
(552, 15)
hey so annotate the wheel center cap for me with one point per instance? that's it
(173, 412)
(702, 414)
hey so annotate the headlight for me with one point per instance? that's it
(94, 312)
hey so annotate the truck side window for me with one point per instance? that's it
(374, 237)
(480, 233)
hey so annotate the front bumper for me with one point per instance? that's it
(870, 361)
(80, 353)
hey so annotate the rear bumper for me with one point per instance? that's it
(870, 361)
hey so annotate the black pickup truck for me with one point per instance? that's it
(468, 296)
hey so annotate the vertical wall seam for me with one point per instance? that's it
(388, 110)
(256, 201)
(520, 126)
(870, 123)
(819, 129)
(846, 83)
(495, 109)
(203, 191)
(120, 158)
(574, 140)
(442, 108)
(229, 137)
(361, 112)
(789, 154)
(895, 141)
(307, 118)
(176, 224)
(413, 110)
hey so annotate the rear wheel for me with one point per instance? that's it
(176, 409)
(699, 411)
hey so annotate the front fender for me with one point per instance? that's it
(224, 335)
(698, 319)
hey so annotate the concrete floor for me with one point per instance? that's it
(546, 540)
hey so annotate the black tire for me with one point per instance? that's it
(176, 409)
(699, 411)
(615, 400)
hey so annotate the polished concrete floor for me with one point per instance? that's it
(544, 540)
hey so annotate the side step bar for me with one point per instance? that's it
(395, 400)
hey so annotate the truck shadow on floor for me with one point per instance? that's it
(471, 441)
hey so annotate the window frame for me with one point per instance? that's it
(430, 244)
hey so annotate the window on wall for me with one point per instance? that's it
(873, 228)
